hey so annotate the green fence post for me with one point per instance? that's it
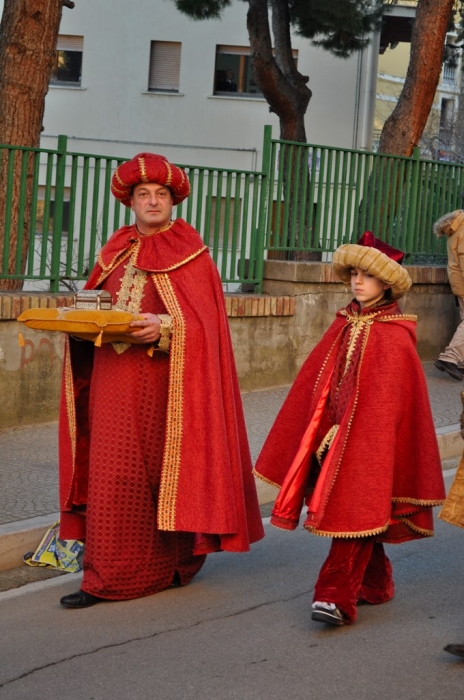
(263, 207)
(414, 193)
(58, 213)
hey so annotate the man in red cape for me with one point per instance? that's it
(355, 438)
(155, 468)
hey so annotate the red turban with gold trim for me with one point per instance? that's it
(149, 167)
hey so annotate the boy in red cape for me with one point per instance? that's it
(155, 468)
(355, 439)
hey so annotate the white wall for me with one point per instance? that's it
(112, 113)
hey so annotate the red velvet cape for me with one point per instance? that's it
(207, 486)
(382, 473)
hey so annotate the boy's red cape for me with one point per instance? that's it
(207, 486)
(382, 474)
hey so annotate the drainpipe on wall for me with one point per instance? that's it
(366, 91)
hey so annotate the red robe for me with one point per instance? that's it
(203, 483)
(380, 473)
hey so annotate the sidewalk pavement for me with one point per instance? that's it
(28, 461)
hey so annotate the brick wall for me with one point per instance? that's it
(12, 304)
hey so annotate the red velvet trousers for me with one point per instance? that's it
(356, 570)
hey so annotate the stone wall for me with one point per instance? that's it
(30, 375)
(272, 333)
(318, 294)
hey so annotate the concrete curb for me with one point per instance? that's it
(450, 442)
(20, 537)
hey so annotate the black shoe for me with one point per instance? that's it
(450, 367)
(327, 612)
(456, 649)
(176, 581)
(81, 599)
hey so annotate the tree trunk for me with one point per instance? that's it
(284, 88)
(28, 36)
(288, 95)
(404, 126)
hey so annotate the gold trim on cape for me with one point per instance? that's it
(130, 295)
(172, 267)
(164, 342)
(347, 535)
(174, 414)
(107, 269)
(415, 528)
(162, 229)
(266, 481)
(326, 443)
(71, 411)
(417, 502)
(363, 340)
(370, 533)
(134, 250)
(400, 317)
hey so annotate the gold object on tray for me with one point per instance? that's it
(93, 299)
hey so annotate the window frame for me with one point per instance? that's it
(243, 75)
(166, 78)
(67, 44)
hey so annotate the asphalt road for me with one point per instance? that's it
(242, 630)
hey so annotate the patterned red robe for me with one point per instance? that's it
(360, 403)
(155, 469)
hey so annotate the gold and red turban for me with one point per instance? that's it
(375, 257)
(149, 167)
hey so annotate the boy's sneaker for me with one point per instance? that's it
(327, 612)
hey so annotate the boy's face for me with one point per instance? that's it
(366, 288)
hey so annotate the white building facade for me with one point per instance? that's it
(141, 76)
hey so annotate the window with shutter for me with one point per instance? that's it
(233, 74)
(67, 69)
(164, 66)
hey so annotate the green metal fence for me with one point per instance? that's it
(56, 209)
(321, 197)
(65, 212)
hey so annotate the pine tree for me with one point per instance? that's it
(339, 26)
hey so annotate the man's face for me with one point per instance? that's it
(152, 205)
